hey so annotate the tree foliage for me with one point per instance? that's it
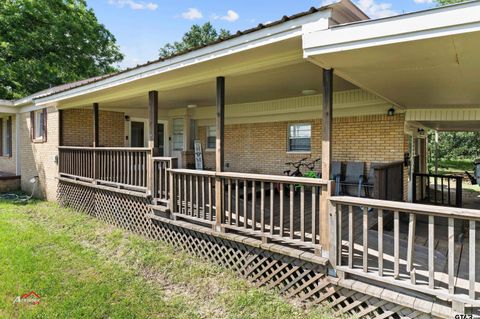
(49, 42)
(445, 2)
(196, 37)
(456, 145)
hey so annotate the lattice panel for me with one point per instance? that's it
(293, 278)
(78, 197)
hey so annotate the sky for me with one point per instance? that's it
(142, 27)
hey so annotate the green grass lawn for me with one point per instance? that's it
(83, 268)
(458, 166)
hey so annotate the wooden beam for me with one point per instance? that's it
(324, 218)
(220, 121)
(95, 125)
(219, 150)
(152, 122)
(327, 123)
(61, 131)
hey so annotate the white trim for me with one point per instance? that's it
(443, 21)
(18, 163)
(262, 37)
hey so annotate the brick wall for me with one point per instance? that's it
(38, 159)
(78, 128)
(7, 163)
(262, 147)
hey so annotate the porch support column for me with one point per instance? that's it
(95, 140)
(152, 122)
(152, 137)
(325, 208)
(219, 151)
(436, 152)
(95, 125)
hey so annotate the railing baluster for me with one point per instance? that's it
(237, 201)
(365, 239)
(302, 213)
(314, 212)
(282, 186)
(431, 252)
(471, 258)
(272, 199)
(191, 196)
(262, 206)
(254, 207)
(339, 234)
(451, 255)
(245, 199)
(380, 242)
(292, 194)
(396, 244)
(210, 208)
(197, 204)
(229, 201)
(204, 207)
(350, 236)
(411, 241)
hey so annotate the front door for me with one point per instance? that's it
(137, 134)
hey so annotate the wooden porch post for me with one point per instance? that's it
(219, 151)
(324, 218)
(152, 137)
(95, 125)
(95, 140)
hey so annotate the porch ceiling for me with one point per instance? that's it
(420, 60)
(426, 73)
(281, 82)
(453, 126)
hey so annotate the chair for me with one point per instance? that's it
(337, 175)
(354, 176)
(369, 181)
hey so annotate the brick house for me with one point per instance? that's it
(328, 83)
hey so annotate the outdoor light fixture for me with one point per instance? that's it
(391, 111)
(127, 118)
(191, 106)
(309, 92)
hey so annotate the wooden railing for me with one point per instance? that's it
(389, 181)
(117, 167)
(437, 189)
(76, 162)
(161, 179)
(410, 255)
(273, 207)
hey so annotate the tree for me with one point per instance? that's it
(50, 42)
(445, 2)
(196, 37)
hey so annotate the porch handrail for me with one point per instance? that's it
(433, 276)
(116, 167)
(428, 210)
(269, 206)
(256, 177)
(131, 149)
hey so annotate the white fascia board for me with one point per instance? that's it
(444, 21)
(7, 107)
(269, 35)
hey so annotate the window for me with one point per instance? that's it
(6, 136)
(299, 137)
(38, 122)
(177, 139)
(211, 137)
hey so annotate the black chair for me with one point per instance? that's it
(337, 175)
(354, 177)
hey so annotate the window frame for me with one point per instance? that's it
(208, 134)
(6, 137)
(38, 120)
(289, 138)
(176, 134)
